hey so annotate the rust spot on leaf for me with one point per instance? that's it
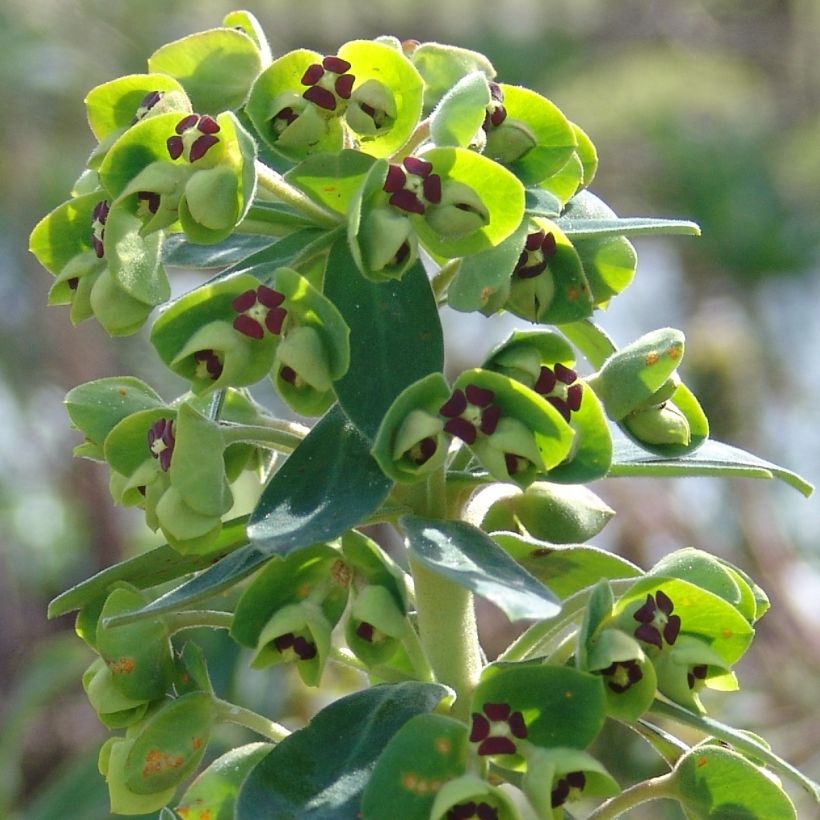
(341, 574)
(443, 746)
(122, 392)
(157, 762)
(408, 781)
(652, 358)
(727, 633)
(572, 293)
(674, 351)
(123, 666)
(569, 694)
(196, 743)
(702, 761)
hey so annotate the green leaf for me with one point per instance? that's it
(334, 755)
(395, 336)
(150, 569)
(332, 179)
(328, 484)
(713, 782)
(215, 67)
(579, 228)
(540, 202)
(180, 252)
(609, 264)
(565, 569)
(428, 749)
(213, 794)
(442, 66)
(712, 458)
(468, 557)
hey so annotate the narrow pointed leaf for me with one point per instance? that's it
(471, 559)
(628, 226)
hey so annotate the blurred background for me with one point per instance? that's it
(701, 109)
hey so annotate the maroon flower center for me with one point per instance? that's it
(568, 787)
(328, 83)
(413, 186)
(496, 113)
(259, 310)
(539, 248)
(161, 442)
(469, 412)
(656, 621)
(148, 102)
(194, 136)
(697, 675)
(495, 729)
(147, 201)
(464, 811)
(559, 385)
(300, 646)
(98, 219)
(208, 364)
(621, 675)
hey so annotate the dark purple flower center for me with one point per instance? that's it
(496, 113)
(413, 186)
(495, 729)
(469, 412)
(567, 788)
(559, 385)
(421, 452)
(621, 675)
(148, 200)
(208, 364)
(328, 83)
(194, 136)
(697, 675)
(161, 442)
(298, 644)
(259, 310)
(539, 248)
(148, 102)
(98, 218)
(656, 621)
(464, 811)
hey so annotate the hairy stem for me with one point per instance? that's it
(276, 184)
(231, 713)
(194, 618)
(654, 789)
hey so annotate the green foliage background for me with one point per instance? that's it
(703, 109)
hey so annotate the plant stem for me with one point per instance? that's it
(193, 618)
(231, 713)
(654, 789)
(274, 182)
(284, 437)
(446, 617)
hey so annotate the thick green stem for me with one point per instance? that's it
(231, 713)
(655, 789)
(274, 182)
(446, 617)
(194, 618)
(284, 436)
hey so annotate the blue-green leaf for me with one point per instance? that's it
(471, 559)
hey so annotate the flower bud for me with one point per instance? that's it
(663, 424)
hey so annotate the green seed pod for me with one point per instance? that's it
(169, 744)
(663, 424)
(510, 141)
(459, 213)
(557, 513)
(139, 654)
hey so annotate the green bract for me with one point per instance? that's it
(325, 207)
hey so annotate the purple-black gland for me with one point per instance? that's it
(148, 102)
(696, 676)
(194, 137)
(300, 646)
(413, 187)
(656, 621)
(539, 248)
(495, 729)
(464, 811)
(469, 412)
(147, 202)
(567, 788)
(496, 113)
(208, 364)
(259, 310)
(98, 219)
(622, 675)
(161, 442)
(559, 385)
(329, 84)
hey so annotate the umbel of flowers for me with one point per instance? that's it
(328, 205)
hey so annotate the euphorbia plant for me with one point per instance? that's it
(332, 204)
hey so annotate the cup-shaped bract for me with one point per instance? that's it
(376, 625)
(315, 347)
(442, 66)
(515, 433)
(114, 709)
(221, 334)
(470, 793)
(410, 442)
